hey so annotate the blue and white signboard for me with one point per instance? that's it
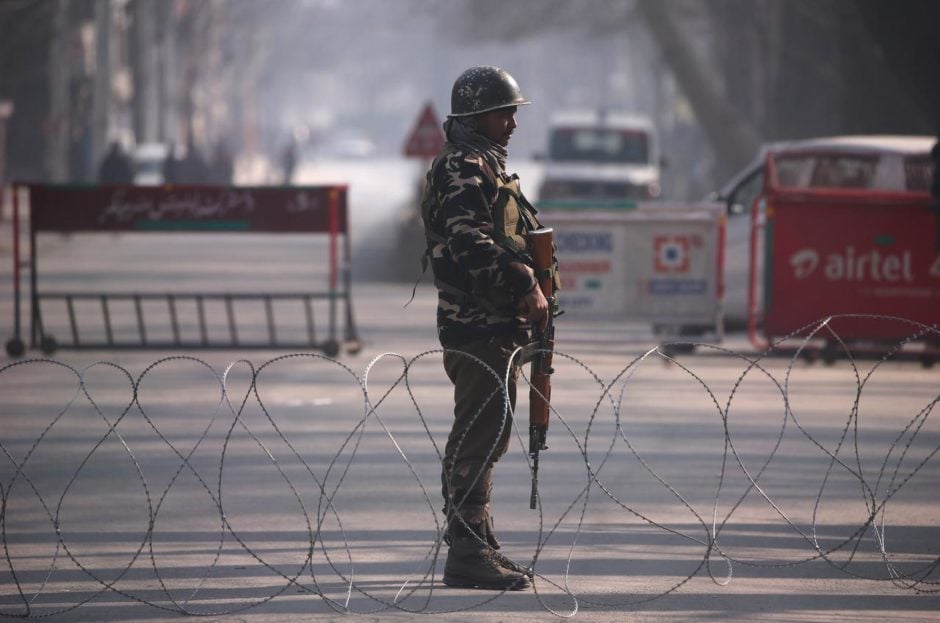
(659, 262)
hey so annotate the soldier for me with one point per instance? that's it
(116, 167)
(475, 219)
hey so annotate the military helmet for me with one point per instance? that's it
(482, 89)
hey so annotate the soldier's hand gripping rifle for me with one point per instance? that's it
(541, 247)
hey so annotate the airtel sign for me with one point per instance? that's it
(850, 265)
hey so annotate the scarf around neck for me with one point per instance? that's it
(463, 133)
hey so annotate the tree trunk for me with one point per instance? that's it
(101, 102)
(733, 137)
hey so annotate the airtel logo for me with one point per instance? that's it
(850, 265)
(804, 262)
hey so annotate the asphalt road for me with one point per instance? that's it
(264, 485)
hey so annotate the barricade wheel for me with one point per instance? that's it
(331, 348)
(830, 353)
(671, 349)
(48, 345)
(15, 347)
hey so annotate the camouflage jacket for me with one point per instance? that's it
(479, 279)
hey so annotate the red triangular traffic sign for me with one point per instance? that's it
(426, 138)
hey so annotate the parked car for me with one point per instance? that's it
(600, 156)
(872, 162)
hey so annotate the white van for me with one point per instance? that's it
(600, 156)
(874, 162)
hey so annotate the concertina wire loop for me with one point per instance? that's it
(416, 592)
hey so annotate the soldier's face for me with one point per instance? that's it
(497, 125)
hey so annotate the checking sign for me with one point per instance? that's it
(658, 262)
(590, 275)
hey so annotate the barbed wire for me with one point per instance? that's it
(329, 558)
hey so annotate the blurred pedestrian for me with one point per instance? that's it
(475, 221)
(288, 161)
(193, 168)
(116, 167)
(222, 167)
(171, 166)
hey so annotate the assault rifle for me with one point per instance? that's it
(543, 343)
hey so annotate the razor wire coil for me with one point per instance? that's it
(415, 594)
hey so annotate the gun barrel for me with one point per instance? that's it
(534, 496)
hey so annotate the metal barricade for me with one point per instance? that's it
(207, 209)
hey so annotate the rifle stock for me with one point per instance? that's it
(540, 388)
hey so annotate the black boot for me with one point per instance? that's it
(472, 561)
(473, 564)
(495, 544)
(491, 532)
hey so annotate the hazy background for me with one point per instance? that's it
(348, 78)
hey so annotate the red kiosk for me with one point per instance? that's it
(866, 257)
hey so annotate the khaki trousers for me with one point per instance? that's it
(483, 405)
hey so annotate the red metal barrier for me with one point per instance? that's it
(296, 209)
(847, 251)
